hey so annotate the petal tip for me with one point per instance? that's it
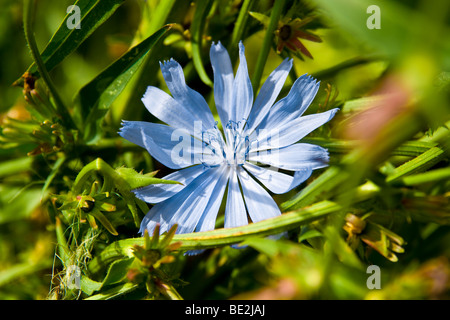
(217, 48)
(241, 47)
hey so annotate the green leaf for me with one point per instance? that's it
(261, 18)
(103, 220)
(327, 181)
(421, 163)
(168, 237)
(425, 177)
(17, 165)
(407, 149)
(118, 180)
(114, 292)
(18, 203)
(56, 167)
(154, 241)
(117, 271)
(63, 248)
(312, 233)
(65, 41)
(94, 99)
(88, 286)
(138, 180)
(363, 103)
(22, 270)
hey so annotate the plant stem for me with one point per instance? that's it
(28, 17)
(203, 7)
(264, 53)
(239, 28)
(224, 236)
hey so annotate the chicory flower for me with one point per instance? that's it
(258, 137)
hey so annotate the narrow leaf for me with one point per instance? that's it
(88, 286)
(65, 40)
(430, 176)
(103, 220)
(418, 164)
(138, 180)
(56, 167)
(155, 238)
(114, 292)
(94, 99)
(117, 271)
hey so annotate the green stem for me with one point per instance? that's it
(239, 28)
(28, 18)
(224, 236)
(198, 24)
(159, 17)
(267, 43)
(335, 146)
(421, 163)
(328, 180)
(63, 248)
(426, 177)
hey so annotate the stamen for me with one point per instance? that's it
(233, 152)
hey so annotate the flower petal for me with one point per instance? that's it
(185, 208)
(294, 157)
(242, 90)
(223, 80)
(235, 213)
(290, 132)
(268, 94)
(156, 193)
(190, 99)
(259, 203)
(278, 182)
(172, 147)
(294, 104)
(168, 110)
(208, 219)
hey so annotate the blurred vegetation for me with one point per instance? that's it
(66, 176)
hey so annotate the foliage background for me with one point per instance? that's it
(384, 199)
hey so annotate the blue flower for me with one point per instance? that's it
(258, 137)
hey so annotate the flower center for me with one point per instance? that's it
(285, 32)
(233, 151)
